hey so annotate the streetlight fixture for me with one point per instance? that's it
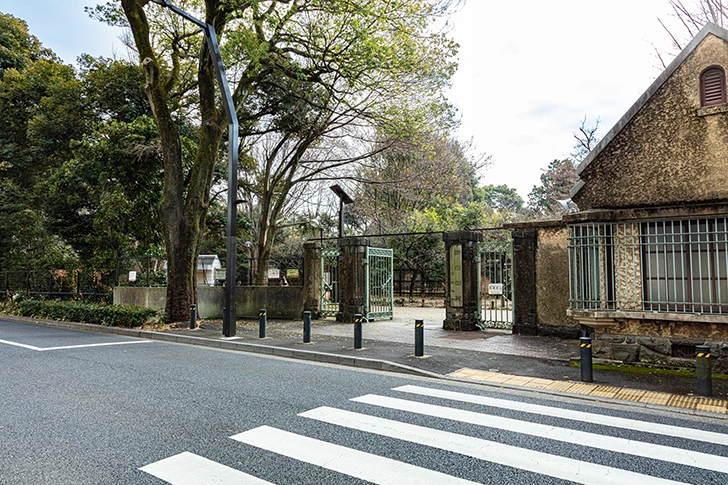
(343, 199)
(228, 317)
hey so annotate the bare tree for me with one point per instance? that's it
(586, 139)
(691, 17)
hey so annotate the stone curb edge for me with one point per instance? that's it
(361, 362)
(322, 357)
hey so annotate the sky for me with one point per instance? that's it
(529, 70)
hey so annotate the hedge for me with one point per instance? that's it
(73, 311)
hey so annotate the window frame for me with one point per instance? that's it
(704, 103)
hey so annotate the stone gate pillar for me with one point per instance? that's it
(461, 284)
(312, 278)
(352, 278)
(525, 242)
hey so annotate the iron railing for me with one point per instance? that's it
(93, 284)
(657, 266)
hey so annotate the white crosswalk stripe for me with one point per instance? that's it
(188, 468)
(534, 461)
(372, 468)
(616, 422)
(592, 440)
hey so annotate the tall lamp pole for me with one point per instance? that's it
(228, 317)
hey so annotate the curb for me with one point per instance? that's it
(359, 362)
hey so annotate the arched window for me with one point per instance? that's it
(712, 87)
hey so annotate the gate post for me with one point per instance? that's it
(312, 278)
(461, 285)
(525, 242)
(352, 278)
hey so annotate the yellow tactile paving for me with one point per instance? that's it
(630, 394)
(685, 402)
(563, 386)
(656, 398)
(518, 381)
(647, 397)
(605, 391)
(540, 383)
(711, 405)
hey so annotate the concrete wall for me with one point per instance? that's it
(552, 283)
(671, 151)
(280, 301)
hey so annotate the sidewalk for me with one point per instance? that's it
(491, 357)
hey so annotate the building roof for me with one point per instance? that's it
(208, 261)
(710, 28)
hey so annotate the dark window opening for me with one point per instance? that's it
(684, 351)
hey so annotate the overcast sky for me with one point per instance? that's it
(530, 70)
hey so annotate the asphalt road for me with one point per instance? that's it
(80, 408)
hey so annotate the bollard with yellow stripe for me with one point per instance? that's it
(419, 338)
(262, 322)
(703, 370)
(585, 360)
(357, 331)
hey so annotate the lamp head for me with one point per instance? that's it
(163, 3)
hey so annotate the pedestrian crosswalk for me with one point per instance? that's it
(411, 406)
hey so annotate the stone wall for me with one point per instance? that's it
(651, 342)
(284, 302)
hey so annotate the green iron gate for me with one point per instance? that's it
(379, 284)
(329, 294)
(495, 283)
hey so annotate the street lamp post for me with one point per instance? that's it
(228, 318)
(344, 199)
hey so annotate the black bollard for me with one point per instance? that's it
(262, 322)
(419, 338)
(357, 331)
(703, 370)
(193, 316)
(306, 327)
(586, 359)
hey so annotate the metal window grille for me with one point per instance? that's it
(658, 266)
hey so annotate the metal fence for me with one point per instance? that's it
(658, 266)
(93, 284)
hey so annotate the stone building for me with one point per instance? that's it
(648, 249)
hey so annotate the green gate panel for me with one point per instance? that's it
(379, 284)
(495, 283)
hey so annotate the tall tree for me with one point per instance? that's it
(42, 111)
(299, 66)
(556, 183)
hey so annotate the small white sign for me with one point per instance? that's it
(495, 289)
(274, 273)
(132, 276)
(220, 273)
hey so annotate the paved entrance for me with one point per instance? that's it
(400, 329)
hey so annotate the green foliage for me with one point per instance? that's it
(499, 198)
(556, 183)
(103, 201)
(109, 315)
(17, 46)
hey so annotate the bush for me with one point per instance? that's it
(73, 311)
